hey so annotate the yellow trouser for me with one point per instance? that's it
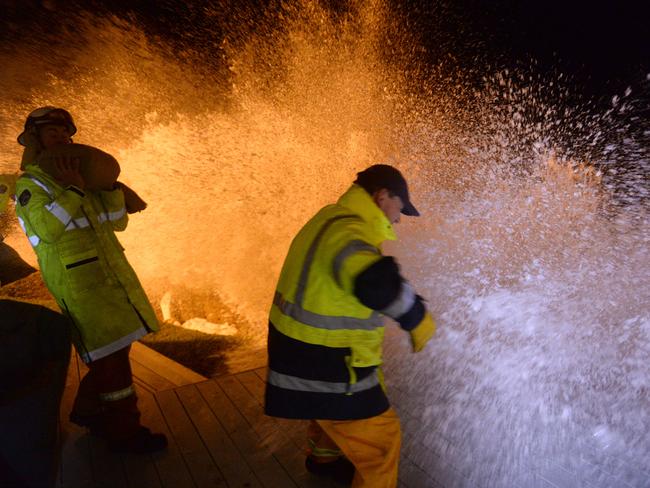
(372, 445)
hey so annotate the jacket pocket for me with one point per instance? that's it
(84, 271)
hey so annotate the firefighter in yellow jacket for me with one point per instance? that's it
(72, 230)
(326, 331)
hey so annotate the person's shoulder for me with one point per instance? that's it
(30, 172)
(34, 177)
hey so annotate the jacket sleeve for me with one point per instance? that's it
(376, 281)
(114, 209)
(48, 216)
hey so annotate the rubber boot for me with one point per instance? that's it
(340, 470)
(325, 458)
(87, 410)
(122, 429)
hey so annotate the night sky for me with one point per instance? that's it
(604, 47)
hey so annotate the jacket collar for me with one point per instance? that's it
(361, 203)
(42, 176)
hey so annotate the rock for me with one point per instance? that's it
(202, 325)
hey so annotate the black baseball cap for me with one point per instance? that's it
(381, 176)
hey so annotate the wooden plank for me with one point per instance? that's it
(140, 469)
(75, 469)
(252, 385)
(147, 376)
(255, 382)
(170, 465)
(138, 383)
(262, 373)
(297, 429)
(265, 466)
(202, 467)
(273, 437)
(288, 440)
(274, 432)
(229, 460)
(247, 405)
(229, 417)
(107, 467)
(175, 373)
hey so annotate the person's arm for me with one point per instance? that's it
(47, 213)
(376, 281)
(115, 209)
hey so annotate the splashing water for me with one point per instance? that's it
(535, 267)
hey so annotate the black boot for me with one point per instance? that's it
(341, 470)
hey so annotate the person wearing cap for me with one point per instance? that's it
(72, 231)
(326, 328)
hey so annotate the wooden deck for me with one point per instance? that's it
(218, 434)
(219, 437)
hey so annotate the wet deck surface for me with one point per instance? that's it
(218, 435)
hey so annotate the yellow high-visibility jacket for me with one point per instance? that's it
(325, 344)
(82, 262)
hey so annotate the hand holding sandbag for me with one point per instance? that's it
(422, 332)
(68, 172)
(132, 200)
(98, 169)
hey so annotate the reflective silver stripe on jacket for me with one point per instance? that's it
(326, 321)
(42, 185)
(114, 346)
(112, 216)
(289, 382)
(78, 224)
(402, 303)
(54, 208)
(59, 212)
(350, 248)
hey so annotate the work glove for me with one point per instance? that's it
(422, 332)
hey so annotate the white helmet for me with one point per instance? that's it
(44, 116)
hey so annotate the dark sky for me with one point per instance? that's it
(604, 46)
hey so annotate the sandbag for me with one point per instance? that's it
(132, 200)
(100, 170)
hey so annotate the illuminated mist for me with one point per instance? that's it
(536, 268)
